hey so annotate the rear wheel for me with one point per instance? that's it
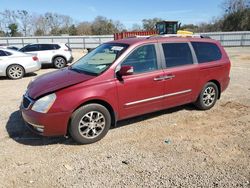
(15, 72)
(90, 123)
(59, 62)
(208, 96)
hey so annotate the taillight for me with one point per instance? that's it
(35, 58)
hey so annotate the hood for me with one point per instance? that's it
(56, 80)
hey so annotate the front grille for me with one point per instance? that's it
(26, 102)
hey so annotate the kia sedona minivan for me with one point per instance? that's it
(123, 79)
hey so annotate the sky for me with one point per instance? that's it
(126, 11)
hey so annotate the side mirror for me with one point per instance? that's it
(125, 71)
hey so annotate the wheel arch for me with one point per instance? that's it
(217, 83)
(103, 103)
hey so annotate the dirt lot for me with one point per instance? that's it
(180, 147)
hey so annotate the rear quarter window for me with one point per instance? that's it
(206, 52)
(56, 46)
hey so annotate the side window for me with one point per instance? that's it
(177, 54)
(143, 59)
(2, 53)
(206, 52)
(30, 48)
(46, 47)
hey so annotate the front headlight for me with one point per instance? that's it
(43, 104)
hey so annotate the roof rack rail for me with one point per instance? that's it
(138, 36)
(180, 35)
(169, 35)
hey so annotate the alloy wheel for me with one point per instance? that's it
(15, 71)
(92, 124)
(59, 62)
(209, 96)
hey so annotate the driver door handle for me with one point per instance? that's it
(159, 78)
(169, 77)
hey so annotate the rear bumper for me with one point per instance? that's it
(70, 60)
(33, 68)
(53, 124)
(225, 84)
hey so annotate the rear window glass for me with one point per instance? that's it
(177, 54)
(206, 52)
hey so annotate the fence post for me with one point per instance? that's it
(222, 39)
(84, 43)
(242, 39)
(22, 42)
(69, 42)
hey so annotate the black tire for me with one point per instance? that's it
(208, 96)
(59, 62)
(89, 125)
(15, 72)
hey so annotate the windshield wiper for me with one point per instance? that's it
(82, 71)
(74, 69)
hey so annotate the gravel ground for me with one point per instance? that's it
(179, 147)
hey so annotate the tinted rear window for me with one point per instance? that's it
(177, 54)
(206, 52)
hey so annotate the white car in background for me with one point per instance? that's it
(57, 54)
(15, 64)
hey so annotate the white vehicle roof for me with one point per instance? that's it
(14, 52)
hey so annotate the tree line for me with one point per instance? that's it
(235, 17)
(23, 23)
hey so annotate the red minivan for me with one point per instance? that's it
(123, 79)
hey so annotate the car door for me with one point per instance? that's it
(181, 73)
(46, 52)
(141, 92)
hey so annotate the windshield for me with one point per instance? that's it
(100, 59)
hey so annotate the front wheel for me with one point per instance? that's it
(15, 72)
(208, 96)
(90, 123)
